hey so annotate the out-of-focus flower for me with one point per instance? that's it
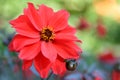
(111, 62)
(116, 72)
(115, 75)
(107, 57)
(98, 78)
(83, 24)
(101, 30)
(107, 8)
(42, 37)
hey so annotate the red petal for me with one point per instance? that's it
(59, 20)
(26, 64)
(42, 65)
(29, 52)
(34, 17)
(67, 34)
(66, 37)
(22, 19)
(58, 67)
(115, 75)
(10, 46)
(20, 41)
(26, 31)
(24, 27)
(68, 30)
(46, 13)
(67, 49)
(48, 50)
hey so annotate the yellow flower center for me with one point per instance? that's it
(47, 34)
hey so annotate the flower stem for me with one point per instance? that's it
(51, 73)
(48, 78)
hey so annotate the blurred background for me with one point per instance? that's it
(98, 26)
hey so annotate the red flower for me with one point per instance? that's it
(116, 71)
(116, 75)
(98, 78)
(42, 36)
(101, 30)
(83, 24)
(107, 57)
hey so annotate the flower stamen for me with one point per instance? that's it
(47, 34)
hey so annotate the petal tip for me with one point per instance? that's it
(29, 3)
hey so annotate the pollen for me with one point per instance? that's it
(47, 34)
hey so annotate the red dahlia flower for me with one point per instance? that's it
(116, 75)
(107, 57)
(83, 24)
(101, 30)
(43, 36)
(116, 71)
